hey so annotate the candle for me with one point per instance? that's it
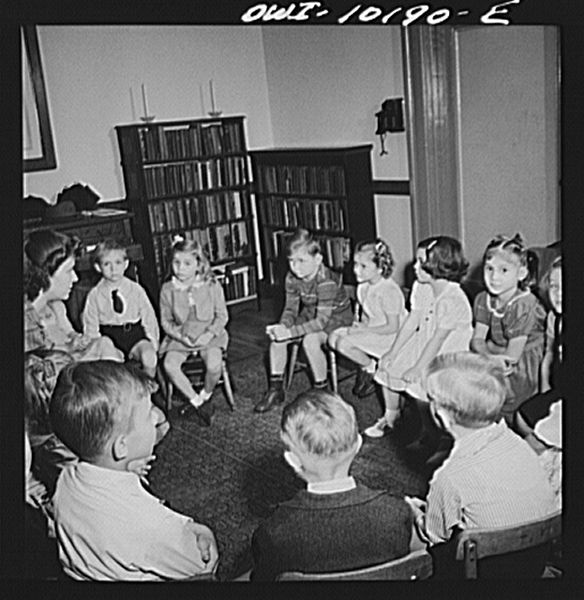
(144, 100)
(202, 96)
(212, 96)
(132, 105)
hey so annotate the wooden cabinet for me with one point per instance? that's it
(326, 190)
(192, 178)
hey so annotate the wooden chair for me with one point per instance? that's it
(294, 365)
(194, 369)
(416, 565)
(476, 544)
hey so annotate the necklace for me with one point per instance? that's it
(501, 312)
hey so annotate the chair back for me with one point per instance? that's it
(475, 544)
(416, 565)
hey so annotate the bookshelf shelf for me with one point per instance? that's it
(192, 177)
(326, 190)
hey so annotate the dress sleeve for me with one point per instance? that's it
(65, 325)
(520, 317)
(34, 333)
(419, 297)
(221, 316)
(393, 302)
(90, 315)
(480, 310)
(451, 309)
(166, 315)
(443, 510)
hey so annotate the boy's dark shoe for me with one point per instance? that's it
(202, 414)
(364, 384)
(272, 397)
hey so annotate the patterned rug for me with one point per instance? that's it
(231, 475)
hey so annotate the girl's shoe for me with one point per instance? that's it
(364, 385)
(377, 429)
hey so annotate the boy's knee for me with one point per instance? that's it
(172, 363)
(214, 361)
(149, 357)
(334, 340)
(313, 341)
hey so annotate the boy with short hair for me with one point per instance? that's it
(316, 304)
(109, 528)
(492, 477)
(120, 309)
(335, 524)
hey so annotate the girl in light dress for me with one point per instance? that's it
(193, 315)
(380, 311)
(510, 320)
(440, 320)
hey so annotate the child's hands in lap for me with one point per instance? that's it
(412, 375)
(204, 339)
(207, 546)
(79, 342)
(278, 332)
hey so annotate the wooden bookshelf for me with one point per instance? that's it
(326, 190)
(192, 178)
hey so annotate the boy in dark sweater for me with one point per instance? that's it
(316, 305)
(335, 524)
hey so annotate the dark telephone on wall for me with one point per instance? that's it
(389, 119)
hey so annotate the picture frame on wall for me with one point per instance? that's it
(38, 149)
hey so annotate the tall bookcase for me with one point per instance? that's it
(192, 178)
(326, 190)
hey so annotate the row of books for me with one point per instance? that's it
(194, 176)
(336, 251)
(301, 212)
(177, 142)
(221, 242)
(197, 211)
(239, 281)
(314, 179)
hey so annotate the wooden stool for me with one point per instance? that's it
(294, 365)
(194, 369)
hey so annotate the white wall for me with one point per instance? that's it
(89, 71)
(508, 135)
(312, 86)
(325, 85)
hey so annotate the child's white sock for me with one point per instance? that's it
(371, 367)
(204, 395)
(391, 415)
(196, 400)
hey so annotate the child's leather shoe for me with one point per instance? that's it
(272, 397)
(364, 384)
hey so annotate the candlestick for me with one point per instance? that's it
(202, 97)
(213, 112)
(132, 105)
(212, 96)
(144, 100)
(146, 118)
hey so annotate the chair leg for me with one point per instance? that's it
(165, 387)
(227, 385)
(333, 369)
(292, 364)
